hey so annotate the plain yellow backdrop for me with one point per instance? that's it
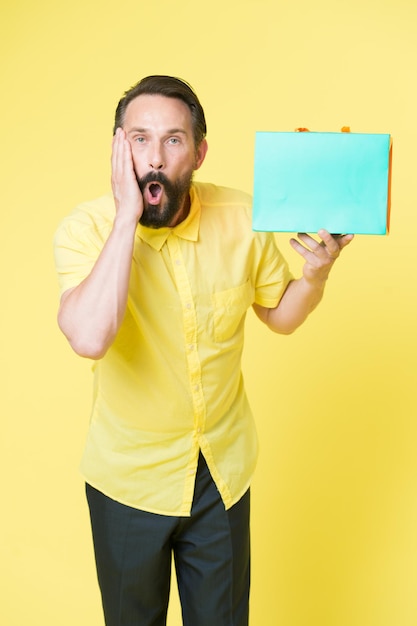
(334, 512)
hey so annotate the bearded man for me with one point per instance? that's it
(156, 279)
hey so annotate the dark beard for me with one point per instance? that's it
(160, 215)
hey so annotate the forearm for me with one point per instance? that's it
(303, 295)
(299, 300)
(90, 314)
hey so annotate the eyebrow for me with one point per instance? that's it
(170, 131)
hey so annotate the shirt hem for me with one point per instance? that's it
(138, 507)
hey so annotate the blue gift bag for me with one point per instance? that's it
(305, 181)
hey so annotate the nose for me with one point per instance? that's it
(156, 158)
(156, 164)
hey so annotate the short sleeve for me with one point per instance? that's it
(273, 274)
(79, 240)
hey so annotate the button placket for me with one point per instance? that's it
(190, 331)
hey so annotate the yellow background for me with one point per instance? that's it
(334, 498)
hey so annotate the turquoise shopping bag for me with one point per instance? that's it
(304, 181)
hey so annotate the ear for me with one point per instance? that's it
(201, 154)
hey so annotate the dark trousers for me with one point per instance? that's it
(211, 550)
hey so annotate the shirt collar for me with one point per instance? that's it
(187, 229)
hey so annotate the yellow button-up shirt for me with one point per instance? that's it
(171, 383)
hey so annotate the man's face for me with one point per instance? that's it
(160, 133)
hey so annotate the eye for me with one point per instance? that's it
(173, 140)
(140, 139)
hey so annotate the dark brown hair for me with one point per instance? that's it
(170, 87)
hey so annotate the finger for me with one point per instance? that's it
(309, 241)
(120, 145)
(127, 158)
(334, 243)
(115, 156)
(330, 243)
(311, 256)
(344, 240)
(327, 250)
(320, 250)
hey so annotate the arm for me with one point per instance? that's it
(303, 295)
(91, 313)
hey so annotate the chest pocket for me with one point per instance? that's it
(229, 308)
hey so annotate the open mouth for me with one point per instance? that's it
(154, 193)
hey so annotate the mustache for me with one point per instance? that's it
(153, 177)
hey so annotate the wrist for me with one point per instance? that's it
(316, 278)
(125, 223)
(315, 284)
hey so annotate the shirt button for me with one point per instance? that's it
(188, 305)
(191, 346)
(177, 262)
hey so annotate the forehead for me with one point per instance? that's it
(157, 112)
